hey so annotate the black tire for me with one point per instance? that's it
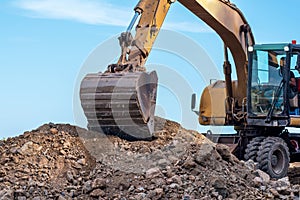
(273, 157)
(252, 148)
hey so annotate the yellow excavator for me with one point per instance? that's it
(259, 104)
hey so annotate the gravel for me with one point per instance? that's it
(61, 161)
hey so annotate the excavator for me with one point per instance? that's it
(260, 104)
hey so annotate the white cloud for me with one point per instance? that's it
(85, 11)
(92, 12)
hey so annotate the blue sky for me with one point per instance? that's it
(45, 43)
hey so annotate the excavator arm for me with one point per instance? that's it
(135, 51)
(121, 101)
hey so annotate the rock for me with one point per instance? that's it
(232, 196)
(77, 166)
(220, 186)
(263, 187)
(158, 181)
(40, 184)
(186, 197)
(192, 178)
(53, 130)
(131, 188)
(159, 191)
(224, 151)
(274, 192)
(69, 176)
(140, 189)
(174, 185)
(6, 194)
(169, 172)
(257, 181)
(283, 186)
(189, 163)
(176, 179)
(66, 144)
(173, 159)
(163, 162)
(284, 181)
(140, 196)
(269, 196)
(151, 194)
(215, 194)
(97, 193)
(251, 164)
(25, 148)
(62, 152)
(264, 176)
(81, 161)
(206, 155)
(43, 161)
(16, 160)
(153, 172)
(14, 150)
(99, 183)
(87, 187)
(283, 190)
(55, 145)
(61, 198)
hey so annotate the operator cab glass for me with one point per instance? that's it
(270, 92)
(267, 81)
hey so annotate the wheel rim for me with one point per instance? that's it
(277, 161)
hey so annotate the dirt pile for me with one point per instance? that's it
(67, 162)
(37, 162)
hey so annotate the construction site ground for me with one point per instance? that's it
(61, 161)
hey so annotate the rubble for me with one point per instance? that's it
(60, 161)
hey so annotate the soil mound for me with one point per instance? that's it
(60, 161)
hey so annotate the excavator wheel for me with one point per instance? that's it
(120, 104)
(273, 157)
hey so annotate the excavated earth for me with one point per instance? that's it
(60, 161)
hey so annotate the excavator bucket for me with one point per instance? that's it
(121, 104)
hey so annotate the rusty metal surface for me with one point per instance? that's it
(120, 104)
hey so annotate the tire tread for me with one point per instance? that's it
(253, 148)
(263, 159)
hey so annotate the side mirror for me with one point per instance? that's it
(193, 104)
(193, 101)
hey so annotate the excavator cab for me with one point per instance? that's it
(271, 98)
